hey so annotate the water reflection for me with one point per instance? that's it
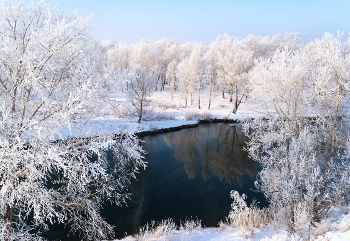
(209, 151)
(190, 173)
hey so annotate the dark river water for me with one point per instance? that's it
(190, 175)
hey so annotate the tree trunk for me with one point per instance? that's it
(13, 104)
(210, 95)
(223, 91)
(140, 113)
(291, 224)
(172, 90)
(238, 102)
(139, 120)
(10, 212)
(191, 96)
(185, 97)
(199, 96)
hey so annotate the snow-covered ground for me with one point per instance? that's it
(162, 112)
(339, 231)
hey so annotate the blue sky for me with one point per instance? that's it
(202, 20)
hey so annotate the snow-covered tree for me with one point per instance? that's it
(139, 87)
(145, 55)
(183, 74)
(119, 56)
(211, 70)
(233, 61)
(48, 83)
(195, 65)
(165, 48)
(102, 48)
(305, 160)
(171, 77)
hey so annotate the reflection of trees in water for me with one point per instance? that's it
(216, 148)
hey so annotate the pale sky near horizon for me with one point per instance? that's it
(202, 20)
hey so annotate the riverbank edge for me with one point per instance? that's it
(204, 121)
(188, 126)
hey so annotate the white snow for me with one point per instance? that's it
(161, 113)
(212, 234)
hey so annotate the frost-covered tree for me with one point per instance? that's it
(233, 62)
(264, 46)
(171, 54)
(211, 70)
(165, 48)
(102, 48)
(183, 75)
(119, 56)
(139, 87)
(171, 76)
(195, 65)
(305, 159)
(48, 83)
(144, 54)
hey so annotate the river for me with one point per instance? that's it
(190, 175)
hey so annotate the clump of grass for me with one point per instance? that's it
(196, 115)
(190, 226)
(167, 229)
(163, 105)
(155, 230)
(158, 115)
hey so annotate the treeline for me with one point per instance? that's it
(188, 68)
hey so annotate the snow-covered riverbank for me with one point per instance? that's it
(336, 228)
(162, 113)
